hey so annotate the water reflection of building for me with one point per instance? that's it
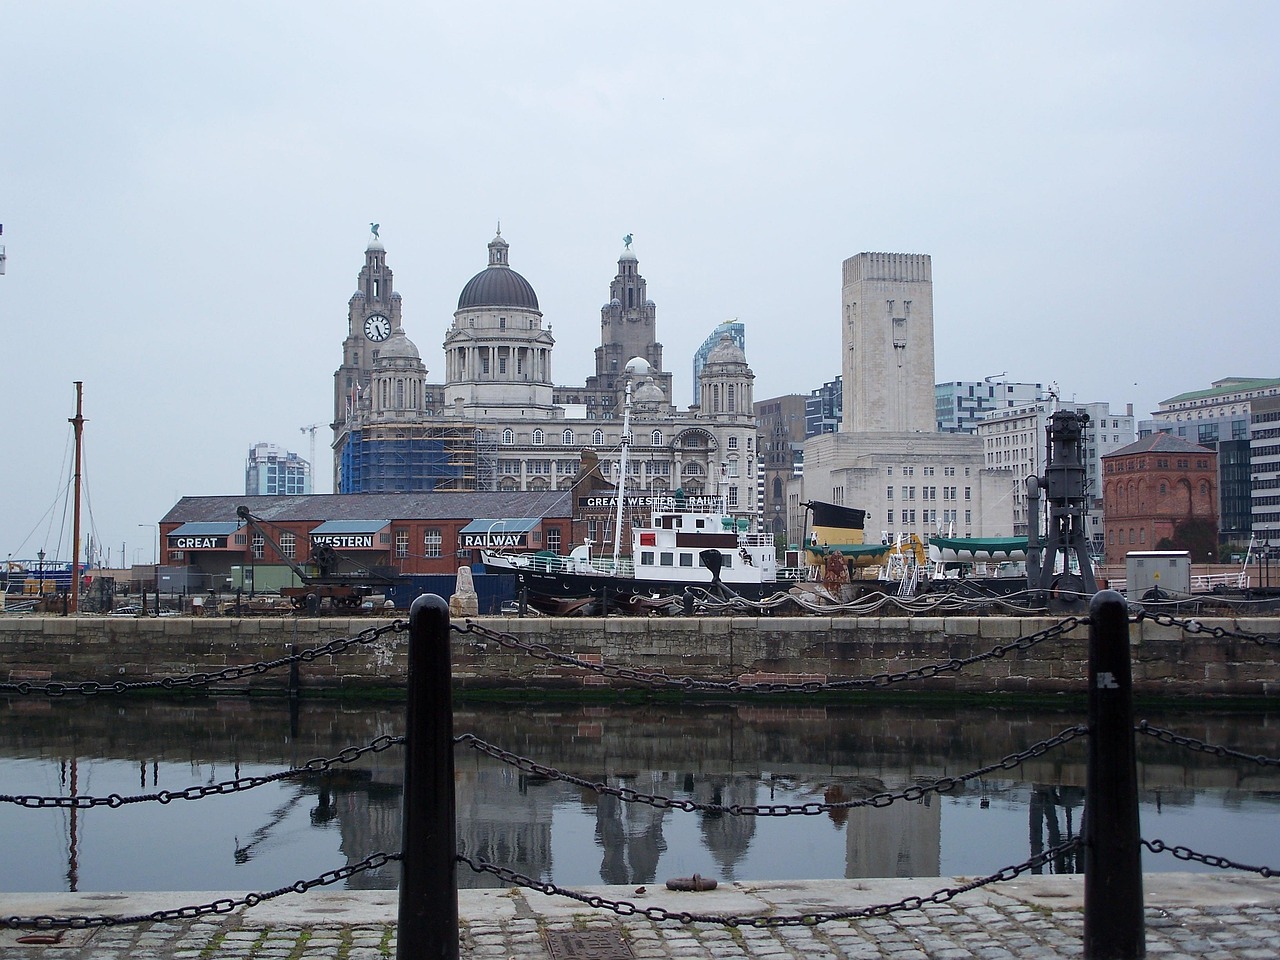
(504, 817)
(900, 840)
(630, 834)
(727, 836)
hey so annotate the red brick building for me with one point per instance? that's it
(1151, 486)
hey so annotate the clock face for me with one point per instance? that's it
(377, 327)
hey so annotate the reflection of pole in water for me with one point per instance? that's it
(1043, 818)
(73, 851)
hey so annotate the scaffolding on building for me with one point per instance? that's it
(419, 459)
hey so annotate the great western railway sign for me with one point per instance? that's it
(640, 502)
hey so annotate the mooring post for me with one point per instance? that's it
(1113, 924)
(428, 918)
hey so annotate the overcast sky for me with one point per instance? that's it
(186, 191)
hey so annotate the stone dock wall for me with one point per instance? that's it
(1167, 661)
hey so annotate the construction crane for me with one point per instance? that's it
(311, 429)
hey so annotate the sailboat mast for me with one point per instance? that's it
(622, 473)
(78, 423)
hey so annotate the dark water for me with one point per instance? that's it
(746, 753)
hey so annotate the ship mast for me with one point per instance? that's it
(622, 471)
(78, 423)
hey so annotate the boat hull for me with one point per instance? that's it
(548, 589)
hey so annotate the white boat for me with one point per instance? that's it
(685, 543)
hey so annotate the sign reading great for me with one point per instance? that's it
(197, 543)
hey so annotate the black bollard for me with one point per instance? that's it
(1113, 924)
(687, 602)
(428, 918)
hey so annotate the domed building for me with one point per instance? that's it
(498, 421)
(497, 354)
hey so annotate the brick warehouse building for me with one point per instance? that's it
(207, 546)
(1152, 486)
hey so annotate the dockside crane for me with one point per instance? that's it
(345, 592)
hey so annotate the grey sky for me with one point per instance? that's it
(186, 188)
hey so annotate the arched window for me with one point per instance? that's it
(508, 437)
(539, 437)
(655, 439)
(566, 438)
(597, 437)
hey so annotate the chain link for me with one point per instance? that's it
(58, 688)
(198, 792)
(652, 678)
(1195, 626)
(625, 908)
(1191, 743)
(225, 905)
(1187, 854)
(886, 798)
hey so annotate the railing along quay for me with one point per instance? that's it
(1111, 842)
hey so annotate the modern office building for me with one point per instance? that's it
(823, 408)
(1264, 465)
(271, 471)
(736, 330)
(960, 404)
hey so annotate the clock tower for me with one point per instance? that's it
(373, 316)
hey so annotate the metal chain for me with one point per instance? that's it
(225, 905)
(1191, 743)
(625, 908)
(912, 793)
(1186, 853)
(57, 688)
(652, 678)
(200, 791)
(1195, 626)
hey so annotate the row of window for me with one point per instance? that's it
(927, 516)
(910, 471)
(1162, 463)
(930, 493)
(568, 438)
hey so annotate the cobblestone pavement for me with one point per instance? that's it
(1206, 917)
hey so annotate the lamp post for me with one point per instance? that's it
(156, 527)
(40, 557)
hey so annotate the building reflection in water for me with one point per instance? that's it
(722, 754)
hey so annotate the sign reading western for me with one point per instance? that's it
(197, 543)
(472, 541)
(343, 541)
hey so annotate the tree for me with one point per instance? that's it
(1197, 536)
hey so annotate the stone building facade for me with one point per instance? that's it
(497, 421)
(887, 457)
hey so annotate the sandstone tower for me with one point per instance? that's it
(887, 343)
